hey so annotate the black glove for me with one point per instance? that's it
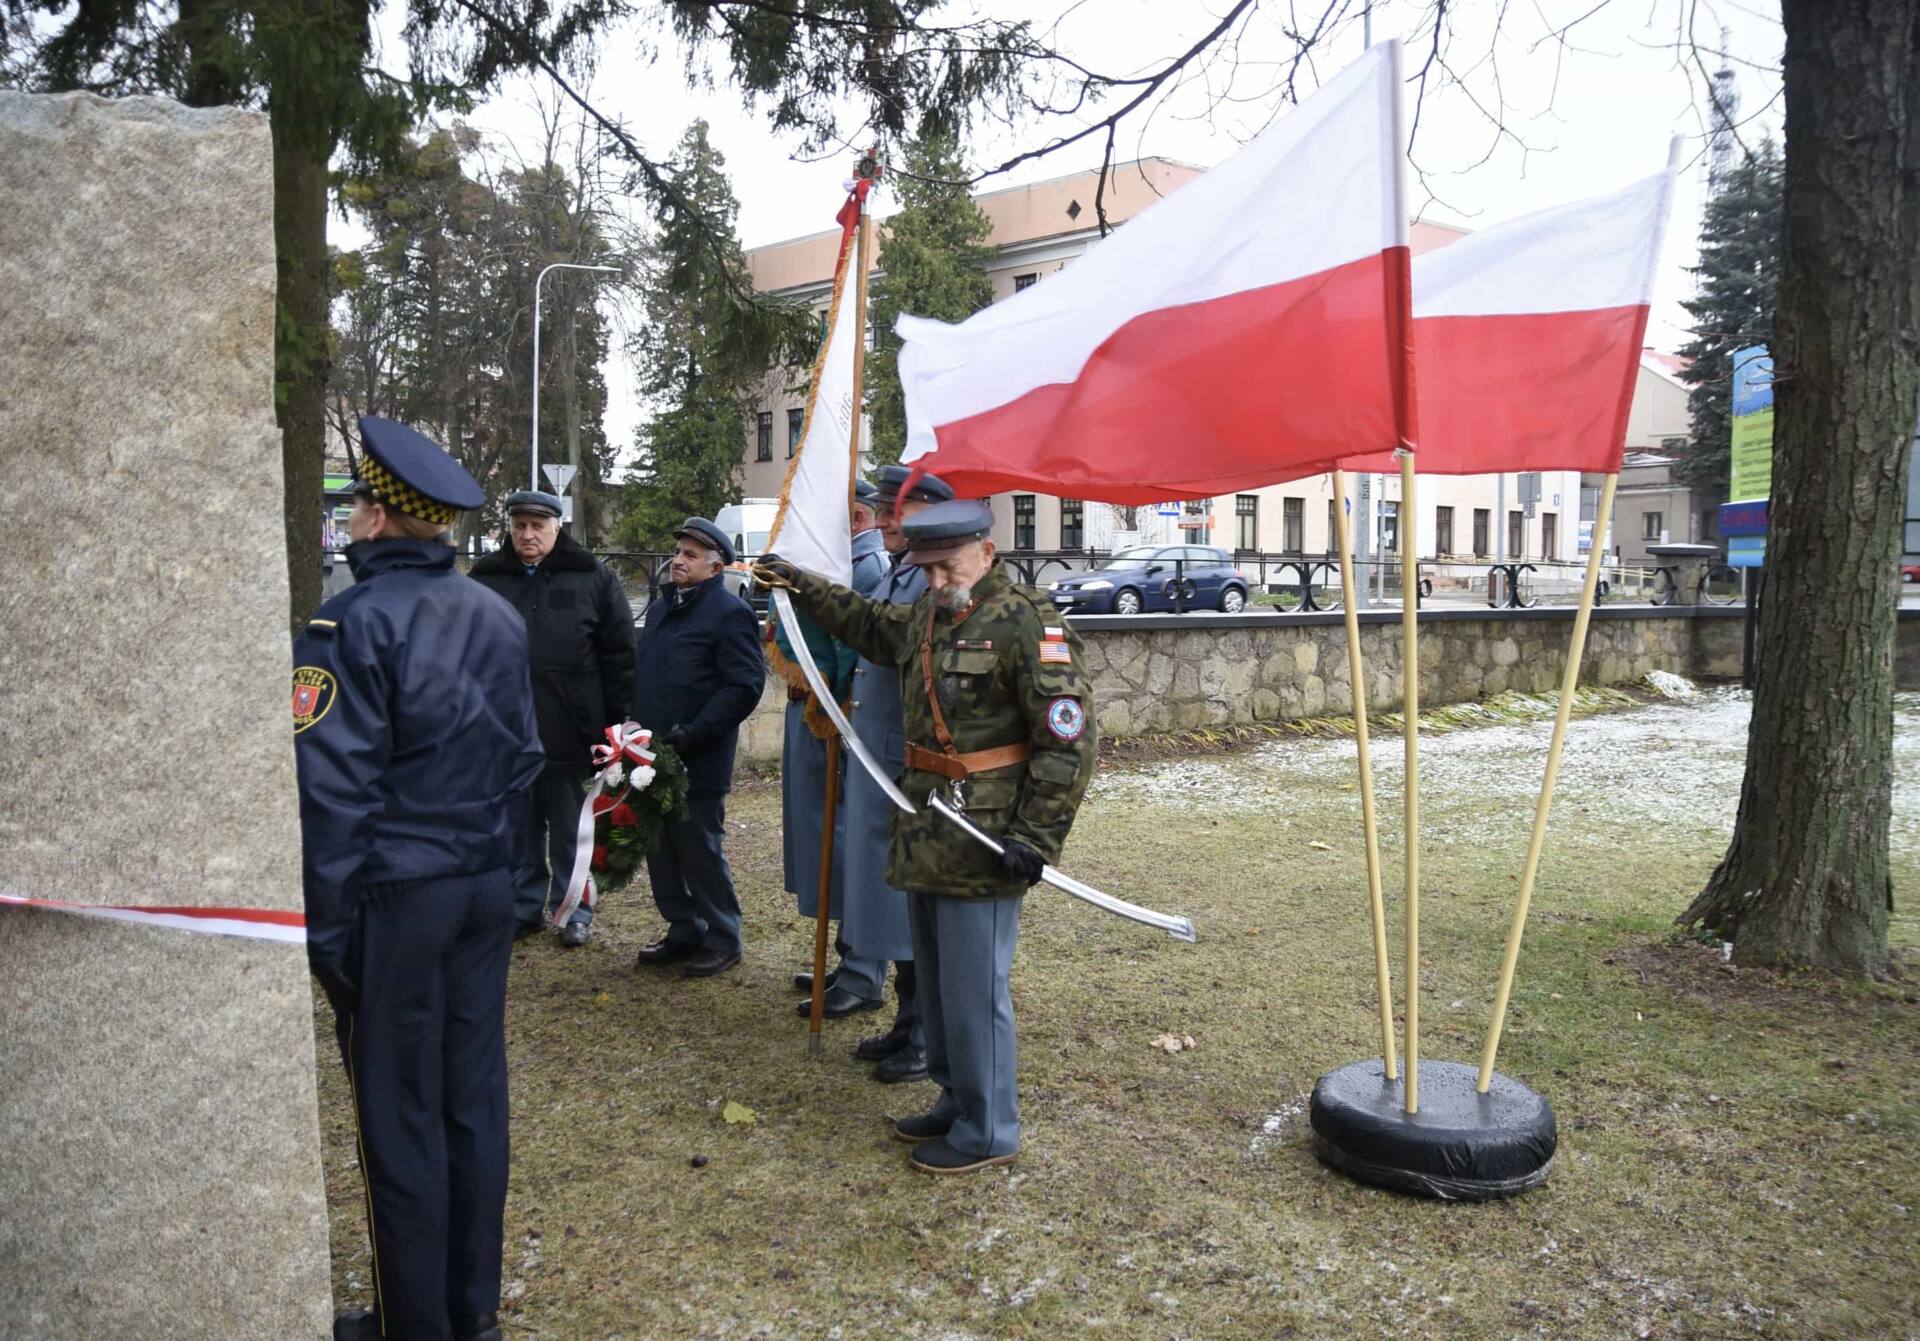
(1016, 858)
(770, 570)
(677, 739)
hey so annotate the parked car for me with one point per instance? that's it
(1910, 572)
(1142, 579)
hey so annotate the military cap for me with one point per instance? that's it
(703, 532)
(934, 534)
(865, 491)
(409, 472)
(537, 501)
(928, 489)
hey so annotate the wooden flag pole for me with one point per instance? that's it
(818, 1013)
(1407, 528)
(1357, 681)
(1569, 681)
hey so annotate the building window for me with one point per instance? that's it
(1246, 514)
(1073, 524)
(1293, 525)
(1201, 531)
(1516, 533)
(1651, 524)
(763, 442)
(795, 419)
(1390, 528)
(1549, 535)
(1442, 531)
(1024, 282)
(1023, 521)
(1482, 528)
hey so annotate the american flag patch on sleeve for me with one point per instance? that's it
(1054, 651)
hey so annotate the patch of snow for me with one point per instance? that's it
(1669, 685)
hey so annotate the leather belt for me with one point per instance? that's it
(958, 766)
(796, 695)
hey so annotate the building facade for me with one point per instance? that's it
(1037, 230)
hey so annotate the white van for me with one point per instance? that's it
(746, 524)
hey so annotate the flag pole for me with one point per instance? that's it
(1569, 681)
(1407, 525)
(819, 1007)
(1357, 681)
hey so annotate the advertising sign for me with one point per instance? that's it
(1744, 520)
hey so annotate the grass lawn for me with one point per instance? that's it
(1738, 1149)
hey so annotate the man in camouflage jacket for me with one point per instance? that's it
(998, 716)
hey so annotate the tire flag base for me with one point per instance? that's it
(1461, 1146)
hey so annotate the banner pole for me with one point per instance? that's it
(1357, 682)
(1569, 681)
(818, 1012)
(1407, 527)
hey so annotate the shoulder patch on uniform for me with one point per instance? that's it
(1066, 718)
(1054, 651)
(314, 690)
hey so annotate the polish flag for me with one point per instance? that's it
(1528, 335)
(1251, 327)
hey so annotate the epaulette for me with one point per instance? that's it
(326, 621)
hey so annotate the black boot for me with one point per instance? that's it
(906, 1064)
(485, 1328)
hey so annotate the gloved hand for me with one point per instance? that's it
(1016, 858)
(770, 570)
(676, 738)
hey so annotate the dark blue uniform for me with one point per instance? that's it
(416, 743)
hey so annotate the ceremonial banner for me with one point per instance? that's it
(1527, 336)
(1251, 327)
(811, 526)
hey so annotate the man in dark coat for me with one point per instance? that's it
(698, 674)
(415, 740)
(580, 636)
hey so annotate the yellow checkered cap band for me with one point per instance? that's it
(390, 489)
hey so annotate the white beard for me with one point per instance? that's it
(953, 598)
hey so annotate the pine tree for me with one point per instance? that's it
(933, 262)
(1739, 272)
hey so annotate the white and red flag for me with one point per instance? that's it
(1252, 327)
(1527, 336)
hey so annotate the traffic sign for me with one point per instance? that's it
(558, 476)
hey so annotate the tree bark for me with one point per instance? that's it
(1805, 879)
(301, 355)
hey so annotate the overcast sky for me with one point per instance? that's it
(1594, 112)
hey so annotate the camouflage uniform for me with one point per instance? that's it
(1010, 691)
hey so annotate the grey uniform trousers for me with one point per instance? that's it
(962, 953)
(692, 883)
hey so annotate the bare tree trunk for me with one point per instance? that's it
(1805, 879)
(301, 362)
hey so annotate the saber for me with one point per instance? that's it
(1180, 928)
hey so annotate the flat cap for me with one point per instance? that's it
(935, 533)
(928, 489)
(534, 500)
(409, 472)
(865, 491)
(703, 532)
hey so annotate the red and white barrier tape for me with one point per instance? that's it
(258, 924)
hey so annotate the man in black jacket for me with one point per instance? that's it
(580, 634)
(698, 674)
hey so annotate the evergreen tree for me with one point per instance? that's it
(700, 355)
(933, 259)
(1739, 272)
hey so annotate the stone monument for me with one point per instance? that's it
(159, 1142)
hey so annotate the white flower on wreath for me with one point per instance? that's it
(642, 779)
(613, 774)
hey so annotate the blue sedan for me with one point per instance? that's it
(1143, 578)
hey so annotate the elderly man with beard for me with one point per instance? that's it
(698, 675)
(580, 635)
(999, 720)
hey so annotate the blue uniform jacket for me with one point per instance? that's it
(698, 666)
(415, 737)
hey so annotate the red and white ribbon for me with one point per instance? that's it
(626, 745)
(257, 924)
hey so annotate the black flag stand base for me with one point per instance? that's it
(1460, 1146)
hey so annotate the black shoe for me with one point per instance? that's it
(360, 1326)
(666, 950)
(939, 1157)
(918, 1130)
(485, 1328)
(575, 934)
(882, 1046)
(906, 1064)
(803, 982)
(706, 963)
(837, 1005)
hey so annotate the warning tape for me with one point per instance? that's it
(258, 924)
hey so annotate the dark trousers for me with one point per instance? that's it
(541, 884)
(692, 883)
(426, 1052)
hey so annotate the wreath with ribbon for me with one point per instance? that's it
(637, 789)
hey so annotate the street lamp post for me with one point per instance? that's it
(557, 265)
